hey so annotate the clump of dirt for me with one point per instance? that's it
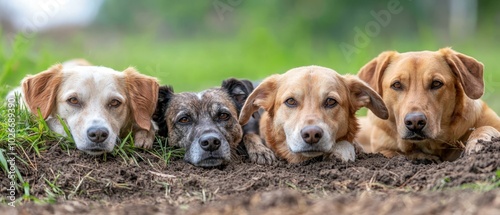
(86, 184)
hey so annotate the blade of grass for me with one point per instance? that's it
(66, 129)
(3, 162)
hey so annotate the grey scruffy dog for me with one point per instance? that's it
(206, 124)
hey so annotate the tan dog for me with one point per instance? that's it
(310, 112)
(433, 102)
(98, 104)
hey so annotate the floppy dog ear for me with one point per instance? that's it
(363, 95)
(239, 90)
(372, 72)
(468, 70)
(263, 96)
(40, 91)
(143, 95)
(164, 95)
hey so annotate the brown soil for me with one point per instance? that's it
(371, 185)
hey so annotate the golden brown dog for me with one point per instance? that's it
(310, 112)
(433, 102)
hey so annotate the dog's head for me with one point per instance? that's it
(97, 103)
(204, 123)
(424, 91)
(310, 109)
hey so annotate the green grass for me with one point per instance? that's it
(165, 152)
(493, 183)
(480, 186)
(194, 64)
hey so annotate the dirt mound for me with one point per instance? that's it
(293, 202)
(83, 184)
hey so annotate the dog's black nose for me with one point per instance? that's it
(97, 134)
(209, 142)
(311, 134)
(415, 121)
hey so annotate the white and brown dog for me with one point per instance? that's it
(98, 104)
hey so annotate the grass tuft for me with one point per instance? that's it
(165, 152)
(485, 186)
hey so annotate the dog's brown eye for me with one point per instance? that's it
(114, 103)
(329, 103)
(184, 120)
(223, 116)
(436, 85)
(291, 102)
(73, 101)
(396, 85)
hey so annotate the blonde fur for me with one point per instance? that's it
(310, 86)
(454, 113)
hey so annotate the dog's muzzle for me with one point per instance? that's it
(210, 142)
(311, 142)
(210, 150)
(415, 123)
(97, 138)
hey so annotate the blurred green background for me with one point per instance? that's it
(195, 45)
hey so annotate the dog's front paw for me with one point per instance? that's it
(484, 133)
(344, 150)
(262, 155)
(473, 146)
(257, 151)
(144, 139)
